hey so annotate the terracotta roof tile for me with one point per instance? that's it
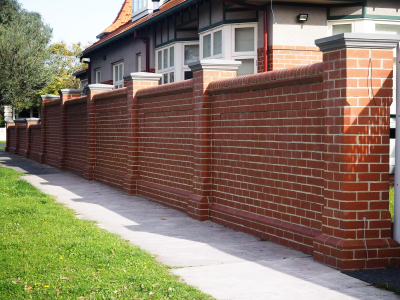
(128, 25)
(123, 16)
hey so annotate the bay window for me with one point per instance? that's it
(166, 64)
(172, 61)
(118, 75)
(212, 44)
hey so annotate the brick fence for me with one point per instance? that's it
(296, 156)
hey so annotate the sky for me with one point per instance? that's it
(75, 21)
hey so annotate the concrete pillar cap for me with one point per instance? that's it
(98, 87)
(70, 92)
(143, 76)
(49, 97)
(215, 65)
(358, 40)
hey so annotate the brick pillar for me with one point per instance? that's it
(204, 72)
(134, 83)
(91, 90)
(43, 116)
(357, 152)
(29, 123)
(65, 94)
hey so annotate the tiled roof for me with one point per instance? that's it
(123, 16)
(129, 25)
(80, 71)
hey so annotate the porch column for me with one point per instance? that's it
(134, 83)
(65, 94)
(204, 71)
(91, 90)
(358, 72)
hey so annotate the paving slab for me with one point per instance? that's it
(222, 262)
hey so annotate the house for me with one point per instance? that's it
(82, 76)
(164, 37)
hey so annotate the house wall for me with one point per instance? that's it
(383, 8)
(125, 51)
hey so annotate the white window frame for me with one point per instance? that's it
(139, 62)
(244, 53)
(212, 32)
(137, 13)
(168, 70)
(185, 68)
(83, 83)
(97, 75)
(120, 82)
(341, 22)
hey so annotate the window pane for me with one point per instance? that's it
(121, 72)
(135, 5)
(165, 58)
(388, 28)
(159, 60)
(246, 68)
(244, 39)
(217, 42)
(341, 28)
(191, 53)
(115, 73)
(171, 57)
(207, 45)
(166, 78)
(171, 77)
(138, 62)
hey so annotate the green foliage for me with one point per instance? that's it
(48, 253)
(391, 202)
(2, 123)
(65, 62)
(24, 55)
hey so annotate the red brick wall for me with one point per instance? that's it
(283, 57)
(22, 140)
(11, 138)
(36, 142)
(267, 156)
(111, 137)
(53, 134)
(76, 153)
(166, 143)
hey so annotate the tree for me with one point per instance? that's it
(65, 62)
(25, 55)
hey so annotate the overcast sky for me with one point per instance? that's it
(75, 20)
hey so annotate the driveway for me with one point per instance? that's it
(222, 262)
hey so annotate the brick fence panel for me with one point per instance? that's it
(22, 142)
(53, 135)
(166, 144)
(267, 156)
(36, 142)
(76, 153)
(11, 138)
(111, 137)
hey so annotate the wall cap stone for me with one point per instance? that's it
(143, 76)
(9, 122)
(19, 121)
(49, 97)
(358, 40)
(70, 92)
(215, 65)
(98, 87)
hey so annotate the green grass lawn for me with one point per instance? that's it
(47, 253)
(2, 142)
(391, 202)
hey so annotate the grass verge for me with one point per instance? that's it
(391, 202)
(387, 286)
(47, 253)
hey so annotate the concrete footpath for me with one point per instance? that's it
(220, 261)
